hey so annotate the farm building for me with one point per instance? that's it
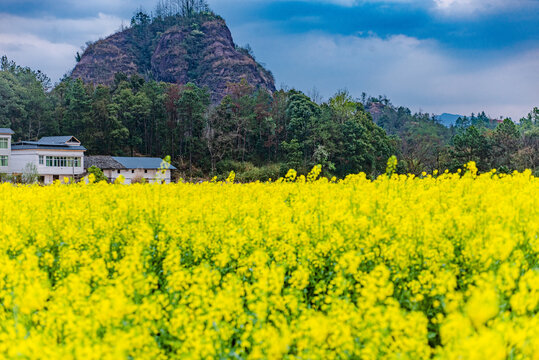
(56, 157)
(133, 169)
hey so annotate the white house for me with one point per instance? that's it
(55, 157)
(5, 149)
(131, 168)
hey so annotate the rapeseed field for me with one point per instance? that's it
(440, 266)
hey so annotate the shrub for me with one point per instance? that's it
(30, 174)
(98, 173)
(139, 179)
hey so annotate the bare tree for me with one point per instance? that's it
(183, 8)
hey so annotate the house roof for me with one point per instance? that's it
(102, 162)
(57, 140)
(6, 131)
(123, 163)
(141, 162)
(29, 145)
(50, 143)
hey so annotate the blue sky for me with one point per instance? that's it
(457, 56)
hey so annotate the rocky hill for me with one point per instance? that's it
(198, 49)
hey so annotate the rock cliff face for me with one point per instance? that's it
(376, 110)
(178, 50)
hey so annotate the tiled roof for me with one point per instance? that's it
(28, 145)
(102, 162)
(56, 140)
(6, 131)
(141, 162)
(123, 163)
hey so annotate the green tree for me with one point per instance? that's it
(505, 143)
(98, 173)
(78, 107)
(30, 174)
(124, 101)
(219, 133)
(423, 142)
(302, 114)
(471, 145)
(154, 126)
(140, 118)
(192, 107)
(171, 107)
(362, 146)
(344, 107)
(243, 114)
(24, 105)
(293, 155)
(106, 132)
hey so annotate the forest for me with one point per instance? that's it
(257, 134)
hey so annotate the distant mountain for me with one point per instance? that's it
(174, 49)
(448, 119)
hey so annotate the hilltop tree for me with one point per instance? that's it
(185, 8)
(140, 19)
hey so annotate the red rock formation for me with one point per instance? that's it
(202, 52)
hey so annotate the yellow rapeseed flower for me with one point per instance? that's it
(441, 266)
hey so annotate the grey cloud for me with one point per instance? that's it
(49, 44)
(75, 31)
(54, 59)
(420, 74)
(411, 72)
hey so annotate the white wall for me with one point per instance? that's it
(129, 175)
(65, 171)
(19, 159)
(3, 152)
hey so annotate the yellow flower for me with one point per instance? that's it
(303, 267)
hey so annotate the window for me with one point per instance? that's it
(3, 160)
(145, 171)
(41, 159)
(132, 171)
(4, 143)
(118, 171)
(62, 161)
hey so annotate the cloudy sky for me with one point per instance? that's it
(457, 56)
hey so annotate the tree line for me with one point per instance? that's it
(257, 134)
(426, 145)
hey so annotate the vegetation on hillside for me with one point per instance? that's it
(257, 134)
(427, 145)
(182, 41)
